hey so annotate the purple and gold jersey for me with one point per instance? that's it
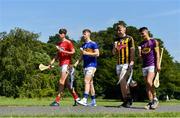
(89, 61)
(148, 52)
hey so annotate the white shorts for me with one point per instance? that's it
(148, 69)
(122, 68)
(89, 71)
(121, 71)
(64, 68)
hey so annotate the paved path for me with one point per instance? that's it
(55, 111)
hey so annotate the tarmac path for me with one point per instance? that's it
(64, 110)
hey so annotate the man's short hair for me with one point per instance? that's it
(122, 23)
(86, 30)
(143, 28)
(62, 31)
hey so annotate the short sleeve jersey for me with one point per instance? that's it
(126, 43)
(65, 58)
(148, 52)
(89, 61)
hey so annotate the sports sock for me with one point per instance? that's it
(93, 99)
(86, 95)
(57, 99)
(75, 96)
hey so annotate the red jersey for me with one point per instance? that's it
(65, 58)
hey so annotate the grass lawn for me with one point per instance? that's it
(100, 102)
(107, 115)
(4, 101)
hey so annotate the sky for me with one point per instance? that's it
(162, 17)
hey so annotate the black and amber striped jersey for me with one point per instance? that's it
(124, 44)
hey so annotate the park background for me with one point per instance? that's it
(29, 32)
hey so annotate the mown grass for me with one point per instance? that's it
(101, 102)
(106, 115)
(4, 101)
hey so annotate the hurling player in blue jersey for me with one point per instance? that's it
(90, 52)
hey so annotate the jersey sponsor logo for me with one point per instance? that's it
(146, 50)
(123, 55)
(89, 50)
(120, 45)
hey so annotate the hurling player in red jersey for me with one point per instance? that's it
(65, 52)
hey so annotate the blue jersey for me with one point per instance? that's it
(89, 61)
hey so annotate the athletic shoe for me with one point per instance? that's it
(126, 104)
(82, 102)
(155, 104)
(92, 104)
(75, 102)
(78, 99)
(123, 104)
(148, 106)
(130, 100)
(54, 103)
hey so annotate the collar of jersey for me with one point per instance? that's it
(88, 41)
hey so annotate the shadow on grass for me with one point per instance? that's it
(137, 108)
(124, 107)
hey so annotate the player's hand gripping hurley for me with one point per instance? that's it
(43, 67)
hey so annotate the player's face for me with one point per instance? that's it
(144, 34)
(121, 30)
(86, 35)
(62, 35)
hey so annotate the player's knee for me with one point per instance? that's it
(87, 81)
(91, 83)
(149, 84)
(62, 81)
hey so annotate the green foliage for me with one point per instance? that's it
(39, 85)
(105, 76)
(53, 39)
(21, 53)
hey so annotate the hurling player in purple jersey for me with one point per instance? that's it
(149, 53)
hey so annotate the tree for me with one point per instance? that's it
(105, 76)
(21, 53)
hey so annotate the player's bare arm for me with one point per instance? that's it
(54, 59)
(67, 52)
(114, 50)
(77, 62)
(139, 53)
(132, 54)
